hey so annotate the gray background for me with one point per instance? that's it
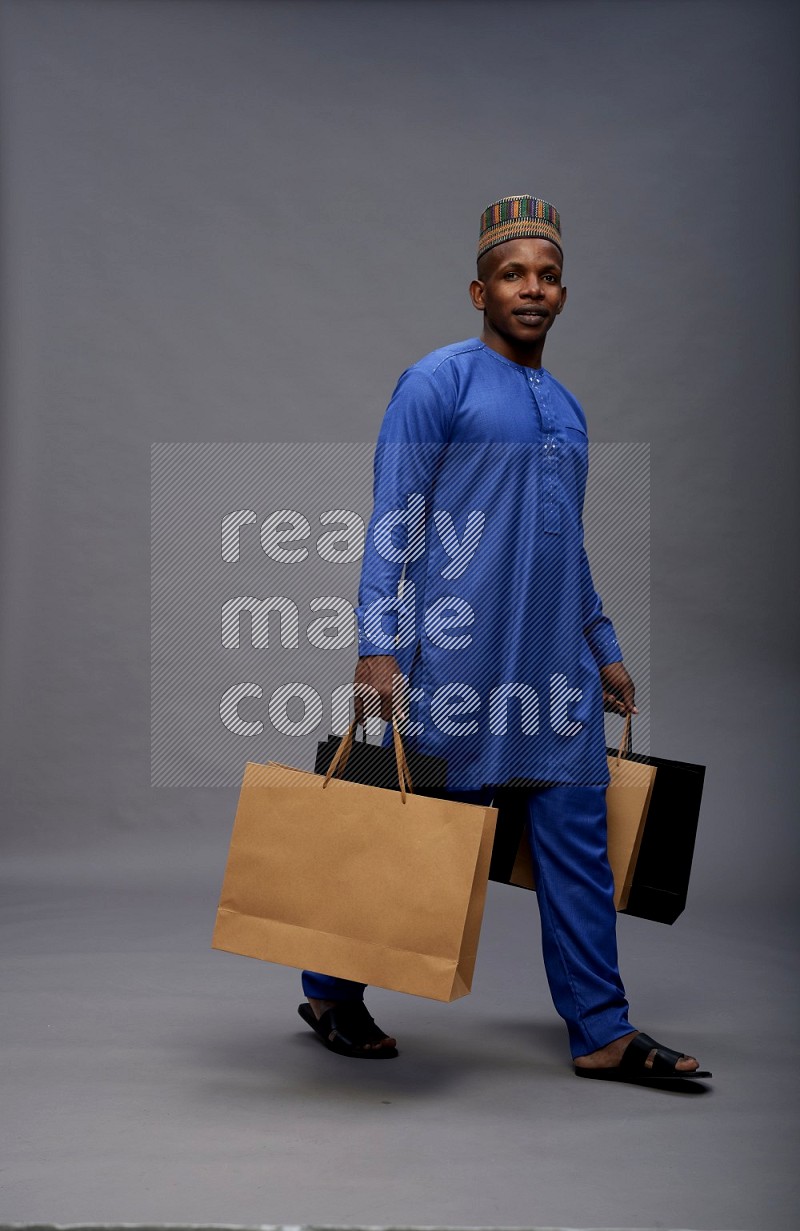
(232, 221)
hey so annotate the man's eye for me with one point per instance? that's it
(510, 274)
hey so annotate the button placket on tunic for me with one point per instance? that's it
(551, 519)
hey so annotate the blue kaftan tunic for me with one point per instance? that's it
(475, 575)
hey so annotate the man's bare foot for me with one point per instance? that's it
(608, 1057)
(320, 1006)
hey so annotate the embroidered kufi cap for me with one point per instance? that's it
(518, 218)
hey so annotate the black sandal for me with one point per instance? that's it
(346, 1028)
(632, 1066)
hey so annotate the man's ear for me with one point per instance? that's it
(563, 299)
(476, 294)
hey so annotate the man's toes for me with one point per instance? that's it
(687, 1064)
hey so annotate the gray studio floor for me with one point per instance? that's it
(151, 1079)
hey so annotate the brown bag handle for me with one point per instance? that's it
(403, 772)
(337, 765)
(341, 754)
(627, 741)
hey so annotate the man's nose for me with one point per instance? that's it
(532, 289)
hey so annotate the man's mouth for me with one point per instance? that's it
(531, 315)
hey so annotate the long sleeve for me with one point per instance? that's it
(597, 628)
(410, 446)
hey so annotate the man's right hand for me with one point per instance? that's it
(378, 671)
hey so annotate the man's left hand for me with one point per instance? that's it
(618, 689)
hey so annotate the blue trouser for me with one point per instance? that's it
(575, 891)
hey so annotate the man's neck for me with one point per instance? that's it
(527, 357)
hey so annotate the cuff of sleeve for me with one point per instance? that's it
(604, 645)
(376, 635)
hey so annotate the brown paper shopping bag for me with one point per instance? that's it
(379, 886)
(627, 803)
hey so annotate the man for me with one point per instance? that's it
(486, 611)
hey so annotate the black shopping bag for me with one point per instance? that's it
(663, 865)
(373, 765)
(661, 877)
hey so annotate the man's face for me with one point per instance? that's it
(519, 289)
